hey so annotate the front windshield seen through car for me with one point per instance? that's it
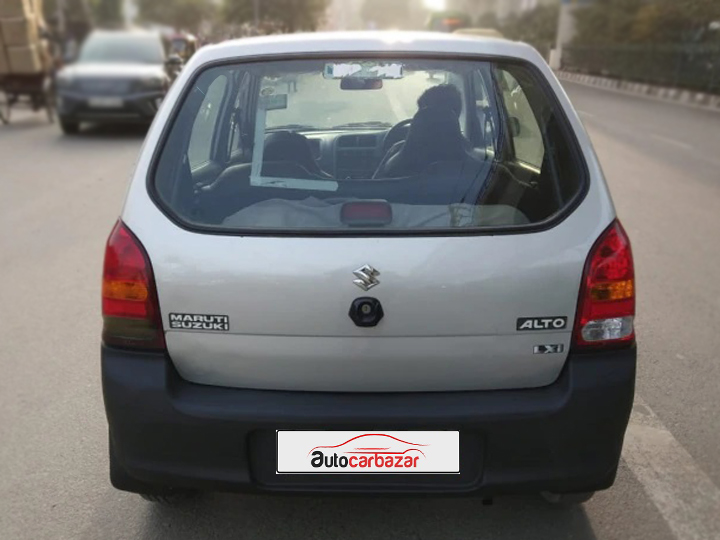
(122, 47)
(394, 102)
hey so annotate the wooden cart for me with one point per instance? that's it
(35, 92)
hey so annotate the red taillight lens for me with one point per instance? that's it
(606, 310)
(131, 315)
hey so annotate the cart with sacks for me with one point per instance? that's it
(26, 65)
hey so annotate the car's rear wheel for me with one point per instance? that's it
(69, 127)
(568, 499)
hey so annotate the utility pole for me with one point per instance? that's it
(565, 32)
(60, 14)
(256, 13)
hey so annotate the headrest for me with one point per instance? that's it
(435, 130)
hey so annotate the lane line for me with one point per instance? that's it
(668, 140)
(585, 113)
(685, 496)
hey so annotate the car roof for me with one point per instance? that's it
(479, 32)
(129, 32)
(367, 42)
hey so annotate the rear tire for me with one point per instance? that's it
(69, 127)
(50, 110)
(567, 499)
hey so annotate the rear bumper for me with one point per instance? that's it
(566, 437)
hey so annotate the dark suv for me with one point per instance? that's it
(119, 76)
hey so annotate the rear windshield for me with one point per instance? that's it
(123, 47)
(364, 145)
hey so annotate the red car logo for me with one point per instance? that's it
(371, 450)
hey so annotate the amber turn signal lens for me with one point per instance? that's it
(616, 290)
(125, 290)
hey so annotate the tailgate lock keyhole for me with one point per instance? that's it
(366, 312)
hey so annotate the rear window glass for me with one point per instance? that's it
(123, 47)
(363, 145)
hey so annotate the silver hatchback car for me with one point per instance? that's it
(368, 263)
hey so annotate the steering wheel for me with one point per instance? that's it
(397, 133)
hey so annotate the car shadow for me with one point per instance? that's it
(111, 131)
(26, 121)
(29, 121)
(259, 516)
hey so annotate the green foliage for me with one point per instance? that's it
(386, 14)
(537, 27)
(180, 14)
(607, 22)
(489, 20)
(107, 12)
(75, 10)
(290, 15)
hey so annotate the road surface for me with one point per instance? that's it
(59, 199)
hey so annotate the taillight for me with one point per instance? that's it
(131, 314)
(366, 213)
(606, 310)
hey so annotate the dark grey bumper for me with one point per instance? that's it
(137, 107)
(565, 437)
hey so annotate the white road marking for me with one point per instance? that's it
(685, 496)
(668, 140)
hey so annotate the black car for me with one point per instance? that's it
(119, 76)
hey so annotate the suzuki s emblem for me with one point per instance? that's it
(366, 277)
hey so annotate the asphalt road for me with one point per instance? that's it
(59, 198)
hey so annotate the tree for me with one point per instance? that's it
(538, 27)
(289, 15)
(386, 14)
(180, 14)
(77, 17)
(108, 12)
(674, 21)
(610, 22)
(606, 22)
(489, 20)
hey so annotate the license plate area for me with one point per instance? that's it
(106, 102)
(368, 452)
(264, 469)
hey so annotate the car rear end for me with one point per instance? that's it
(110, 98)
(463, 326)
(119, 77)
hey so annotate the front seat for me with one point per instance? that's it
(434, 136)
(287, 146)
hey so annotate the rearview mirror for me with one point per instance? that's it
(351, 83)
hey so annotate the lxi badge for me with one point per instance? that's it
(549, 349)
